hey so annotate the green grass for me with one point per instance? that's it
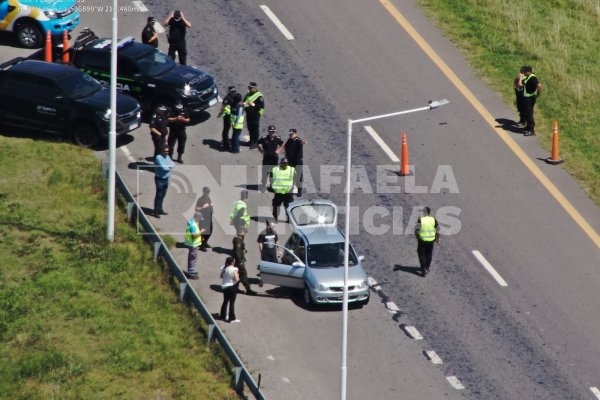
(81, 318)
(559, 38)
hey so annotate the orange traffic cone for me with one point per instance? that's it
(48, 53)
(555, 159)
(404, 170)
(65, 48)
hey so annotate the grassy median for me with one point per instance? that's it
(559, 38)
(81, 318)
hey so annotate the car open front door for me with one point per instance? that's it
(288, 271)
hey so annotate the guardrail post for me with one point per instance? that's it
(239, 383)
(211, 329)
(182, 287)
(130, 206)
(156, 250)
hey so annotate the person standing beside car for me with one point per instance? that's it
(230, 280)
(239, 254)
(237, 122)
(162, 173)
(177, 25)
(255, 108)
(159, 129)
(267, 242)
(149, 35)
(294, 152)
(269, 146)
(282, 185)
(225, 113)
(177, 124)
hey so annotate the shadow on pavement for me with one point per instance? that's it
(405, 268)
(144, 166)
(508, 125)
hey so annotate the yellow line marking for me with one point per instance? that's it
(562, 200)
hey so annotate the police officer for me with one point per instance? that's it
(282, 185)
(269, 146)
(294, 152)
(193, 241)
(255, 108)
(239, 217)
(177, 122)
(531, 90)
(237, 122)
(159, 129)
(225, 113)
(177, 28)
(427, 232)
(149, 35)
(239, 254)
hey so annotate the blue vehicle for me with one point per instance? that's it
(29, 20)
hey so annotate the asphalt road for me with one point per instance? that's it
(536, 338)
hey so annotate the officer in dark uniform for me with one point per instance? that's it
(427, 233)
(149, 35)
(294, 152)
(254, 104)
(177, 123)
(531, 90)
(226, 115)
(269, 146)
(159, 129)
(239, 254)
(177, 28)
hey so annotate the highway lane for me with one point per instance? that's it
(534, 339)
(506, 214)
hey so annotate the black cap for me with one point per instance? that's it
(205, 189)
(231, 89)
(252, 85)
(151, 19)
(272, 129)
(283, 161)
(244, 194)
(293, 131)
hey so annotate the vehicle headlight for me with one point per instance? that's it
(50, 14)
(139, 115)
(321, 288)
(362, 285)
(105, 115)
(188, 91)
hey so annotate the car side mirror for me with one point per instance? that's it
(361, 258)
(298, 264)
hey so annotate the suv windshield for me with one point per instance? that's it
(329, 255)
(78, 85)
(155, 63)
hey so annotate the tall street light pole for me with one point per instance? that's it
(432, 105)
(112, 133)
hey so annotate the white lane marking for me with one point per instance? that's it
(455, 382)
(270, 357)
(127, 153)
(413, 332)
(286, 380)
(489, 268)
(433, 357)
(159, 28)
(219, 99)
(372, 281)
(595, 391)
(392, 307)
(277, 22)
(140, 5)
(382, 144)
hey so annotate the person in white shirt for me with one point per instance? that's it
(231, 278)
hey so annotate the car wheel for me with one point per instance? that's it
(308, 301)
(29, 35)
(85, 135)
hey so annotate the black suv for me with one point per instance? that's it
(61, 99)
(145, 73)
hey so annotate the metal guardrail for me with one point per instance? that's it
(242, 376)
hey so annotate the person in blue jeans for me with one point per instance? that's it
(237, 122)
(162, 173)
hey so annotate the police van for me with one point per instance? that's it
(145, 73)
(29, 20)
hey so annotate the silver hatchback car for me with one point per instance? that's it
(313, 257)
